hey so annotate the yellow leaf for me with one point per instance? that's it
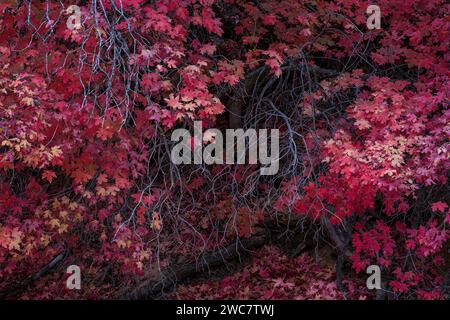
(56, 151)
(112, 190)
(78, 217)
(156, 222)
(144, 255)
(45, 240)
(15, 244)
(15, 239)
(28, 101)
(101, 191)
(7, 143)
(63, 214)
(73, 205)
(62, 228)
(54, 223)
(121, 244)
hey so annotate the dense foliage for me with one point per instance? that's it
(86, 115)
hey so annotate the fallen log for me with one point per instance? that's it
(21, 287)
(156, 283)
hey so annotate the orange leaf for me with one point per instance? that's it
(48, 175)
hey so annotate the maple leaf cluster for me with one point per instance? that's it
(86, 116)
